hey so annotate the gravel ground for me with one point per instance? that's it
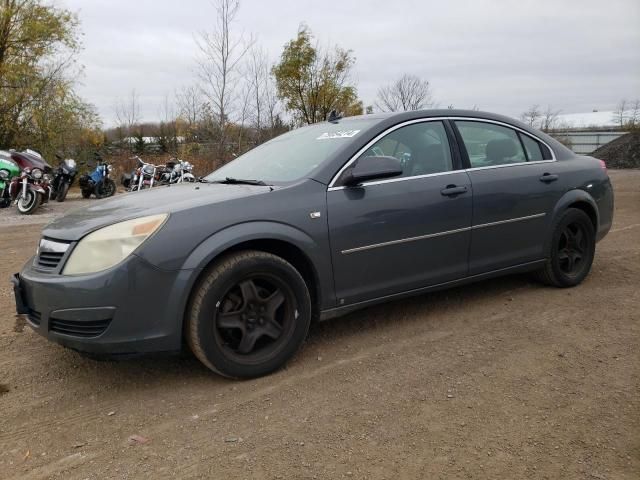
(502, 379)
(10, 217)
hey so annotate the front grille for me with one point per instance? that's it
(77, 328)
(50, 260)
(34, 317)
(51, 253)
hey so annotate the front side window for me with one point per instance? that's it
(422, 148)
(488, 144)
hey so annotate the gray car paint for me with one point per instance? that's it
(208, 219)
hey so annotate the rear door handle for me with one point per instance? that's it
(453, 190)
(548, 178)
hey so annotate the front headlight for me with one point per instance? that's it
(110, 245)
(36, 173)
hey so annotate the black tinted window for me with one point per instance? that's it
(488, 144)
(422, 148)
(534, 153)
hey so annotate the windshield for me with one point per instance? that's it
(293, 155)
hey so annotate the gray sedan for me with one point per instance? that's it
(311, 225)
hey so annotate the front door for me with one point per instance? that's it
(408, 232)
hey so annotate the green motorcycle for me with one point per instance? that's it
(8, 170)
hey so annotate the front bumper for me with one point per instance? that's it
(131, 308)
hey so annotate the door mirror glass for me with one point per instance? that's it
(373, 168)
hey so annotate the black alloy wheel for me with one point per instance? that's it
(248, 315)
(255, 317)
(571, 250)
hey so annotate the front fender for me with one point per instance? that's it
(219, 242)
(224, 239)
(36, 188)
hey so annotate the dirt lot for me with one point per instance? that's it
(503, 379)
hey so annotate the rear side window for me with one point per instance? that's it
(488, 144)
(532, 147)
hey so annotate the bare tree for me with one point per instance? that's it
(407, 93)
(266, 107)
(532, 116)
(128, 113)
(620, 113)
(221, 53)
(634, 116)
(168, 128)
(246, 98)
(549, 119)
(258, 69)
(190, 103)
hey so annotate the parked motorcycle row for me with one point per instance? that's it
(148, 175)
(28, 181)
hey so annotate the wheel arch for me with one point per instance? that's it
(579, 199)
(289, 243)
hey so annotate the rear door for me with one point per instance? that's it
(516, 184)
(407, 232)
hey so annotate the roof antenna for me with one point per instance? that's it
(333, 116)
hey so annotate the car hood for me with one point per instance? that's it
(171, 199)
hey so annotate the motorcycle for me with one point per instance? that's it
(177, 171)
(144, 176)
(99, 181)
(63, 178)
(148, 175)
(32, 188)
(8, 170)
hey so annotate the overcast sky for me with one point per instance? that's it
(501, 55)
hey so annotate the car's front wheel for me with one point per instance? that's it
(571, 250)
(248, 315)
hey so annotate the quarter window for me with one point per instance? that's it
(488, 144)
(422, 148)
(534, 153)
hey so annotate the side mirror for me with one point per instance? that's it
(372, 168)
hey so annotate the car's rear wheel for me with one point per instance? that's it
(248, 315)
(571, 250)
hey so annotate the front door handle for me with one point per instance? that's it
(548, 178)
(453, 190)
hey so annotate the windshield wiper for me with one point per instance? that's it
(239, 181)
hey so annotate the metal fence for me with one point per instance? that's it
(585, 142)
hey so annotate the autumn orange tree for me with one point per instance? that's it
(38, 105)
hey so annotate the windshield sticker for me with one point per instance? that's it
(338, 134)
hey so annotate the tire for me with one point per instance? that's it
(248, 315)
(570, 251)
(62, 193)
(5, 200)
(106, 188)
(86, 193)
(29, 204)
